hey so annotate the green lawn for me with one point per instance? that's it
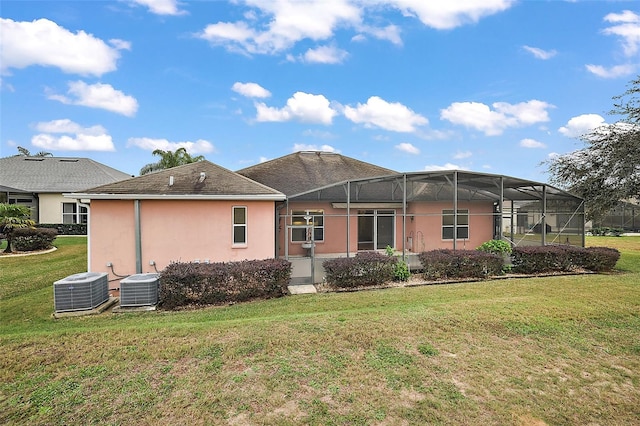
(555, 350)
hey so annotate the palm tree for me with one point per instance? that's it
(169, 159)
(25, 152)
(13, 216)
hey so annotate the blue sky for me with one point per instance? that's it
(494, 86)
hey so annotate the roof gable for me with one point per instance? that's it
(201, 178)
(307, 170)
(55, 174)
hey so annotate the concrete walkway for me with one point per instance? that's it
(302, 289)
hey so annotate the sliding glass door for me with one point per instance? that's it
(376, 229)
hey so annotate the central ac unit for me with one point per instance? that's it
(139, 290)
(80, 292)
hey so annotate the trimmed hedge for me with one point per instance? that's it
(544, 259)
(32, 239)
(183, 284)
(365, 269)
(447, 264)
(66, 228)
(601, 259)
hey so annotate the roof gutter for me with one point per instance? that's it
(235, 197)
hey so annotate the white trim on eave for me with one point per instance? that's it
(238, 197)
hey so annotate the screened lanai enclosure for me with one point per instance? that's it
(416, 212)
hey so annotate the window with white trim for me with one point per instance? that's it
(74, 213)
(462, 225)
(239, 226)
(301, 220)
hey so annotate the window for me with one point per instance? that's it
(239, 226)
(73, 213)
(447, 224)
(300, 231)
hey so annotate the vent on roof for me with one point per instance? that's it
(68, 160)
(139, 290)
(170, 180)
(80, 292)
(33, 159)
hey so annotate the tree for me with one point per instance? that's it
(25, 152)
(169, 159)
(13, 216)
(607, 169)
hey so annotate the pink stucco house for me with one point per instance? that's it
(311, 206)
(199, 212)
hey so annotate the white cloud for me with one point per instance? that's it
(120, 44)
(272, 27)
(161, 7)
(444, 15)
(462, 154)
(325, 55)
(447, 166)
(481, 117)
(531, 143)
(250, 90)
(612, 72)
(408, 148)
(391, 116)
(291, 21)
(580, 125)
(98, 95)
(627, 28)
(390, 33)
(303, 107)
(305, 147)
(43, 42)
(66, 135)
(200, 146)
(540, 53)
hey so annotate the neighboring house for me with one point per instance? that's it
(310, 206)
(198, 212)
(624, 216)
(39, 182)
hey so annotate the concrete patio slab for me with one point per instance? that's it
(302, 289)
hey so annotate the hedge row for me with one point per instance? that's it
(447, 264)
(366, 268)
(372, 268)
(183, 284)
(542, 259)
(66, 228)
(31, 239)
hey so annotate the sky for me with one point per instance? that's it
(492, 86)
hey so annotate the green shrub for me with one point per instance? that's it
(184, 284)
(446, 264)
(66, 228)
(400, 268)
(499, 247)
(368, 268)
(32, 239)
(603, 231)
(401, 271)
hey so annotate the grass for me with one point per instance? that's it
(554, 350)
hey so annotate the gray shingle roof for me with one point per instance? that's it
(188, 180)
(55, 174)
(303, 171)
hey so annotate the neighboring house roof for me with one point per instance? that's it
(55, 174)
(9, 189)
(307, 170)
(199, 180)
